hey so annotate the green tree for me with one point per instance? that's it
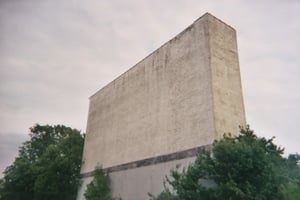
(99, 188)
(290, 191)
(244, 167)
(48, 165)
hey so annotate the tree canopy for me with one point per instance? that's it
(99, 187)
(47, 167)
(244, 167)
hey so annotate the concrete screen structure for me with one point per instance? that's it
(178, 99)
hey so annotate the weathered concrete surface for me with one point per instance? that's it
(136, 183)
(228, 100)
(82, 189)
(185, 94)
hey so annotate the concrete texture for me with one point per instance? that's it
(186, 94)
(135, 184)
(225, 76)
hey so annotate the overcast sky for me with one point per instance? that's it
(54, 54)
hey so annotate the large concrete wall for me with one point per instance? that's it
(184, 95)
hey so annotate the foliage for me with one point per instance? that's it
(165, 195)
(48, 165)
(99, 188)
(290, 191)
(243, 167)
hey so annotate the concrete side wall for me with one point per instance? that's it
(228, 101)
(135, 184)
(161, 105)
(83, 187)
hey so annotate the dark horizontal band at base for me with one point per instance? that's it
(152, 161)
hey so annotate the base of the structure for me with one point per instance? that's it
(135, 180)
(136, 183)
